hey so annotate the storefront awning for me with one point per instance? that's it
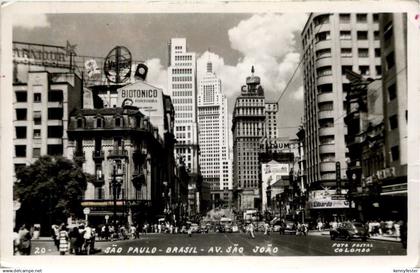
(395, 193)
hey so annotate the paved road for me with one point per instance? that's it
(235, 244)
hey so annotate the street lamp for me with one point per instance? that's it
(116, 188)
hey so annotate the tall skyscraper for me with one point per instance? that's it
(248, 127)
(215, 164)
(182, 78)
(271, 109)
(332, 44)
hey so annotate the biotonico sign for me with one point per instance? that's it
(147, 98)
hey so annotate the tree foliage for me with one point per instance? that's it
(50, 190)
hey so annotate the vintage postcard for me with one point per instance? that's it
(283, 133)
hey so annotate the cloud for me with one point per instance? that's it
(30, 21)
(298, 94)
(157, 74)
(267, 41)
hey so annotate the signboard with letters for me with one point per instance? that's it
(271, 172)
(42, 55)
(149, 100)
(327, 199)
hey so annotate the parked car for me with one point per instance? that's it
(288, 227)
(349, 231)
(227, 228)
(276, 226)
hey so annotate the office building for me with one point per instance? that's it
(45, 93)
(271, 109)
(182, 78)
(333, 44)
(215, 164)
(248, 127)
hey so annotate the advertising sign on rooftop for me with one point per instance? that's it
(149, 100)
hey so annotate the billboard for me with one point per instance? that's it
(271, 172)
(327, 199)
(149, 100)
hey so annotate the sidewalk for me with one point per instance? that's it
(389, 238)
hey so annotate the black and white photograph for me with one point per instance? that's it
(247, 133)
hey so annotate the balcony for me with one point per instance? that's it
(327, 167)
(79, 156)
(99, 180)
(323, 44)
(325, 114)
(98, 155)
(327, 131)
(326, 148)
(138, 179)
(325, 79)
(324, 61)
(117, 154)
(324, 97)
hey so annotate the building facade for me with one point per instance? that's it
(182, 87)
(333, 44)
(248, 127)
(271, 109)
(130, 162)
(393, 33)
(42, 104)
(215, 163)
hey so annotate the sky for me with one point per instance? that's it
(233, 42)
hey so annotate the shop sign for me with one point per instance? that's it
(42, 55)
(326, 199)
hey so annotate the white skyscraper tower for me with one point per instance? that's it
(182, 78)
(215, 161)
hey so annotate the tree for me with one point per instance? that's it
(50, 190)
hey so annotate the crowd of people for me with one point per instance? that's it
(375, 227)
(76, 240)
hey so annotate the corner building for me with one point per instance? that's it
(248, 127)
(333, 44)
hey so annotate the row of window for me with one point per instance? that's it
(176, 71)
(347, 52)
(53, 114)
(183, 58)
(363, 70)
(53, 96)
(53, 149)
(182, 94)
(52, 132)
(181, 85)
(346, 35)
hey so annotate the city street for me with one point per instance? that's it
(235, 244)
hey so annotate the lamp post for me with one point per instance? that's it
(116, 188)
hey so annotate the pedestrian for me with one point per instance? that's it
(319, 226)
(54, 234)
(24, 240)
(251, 230)
(76, 241)
(266, 228)
(87, 237)
(16, 241)
(64, 240)
(189, 231)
